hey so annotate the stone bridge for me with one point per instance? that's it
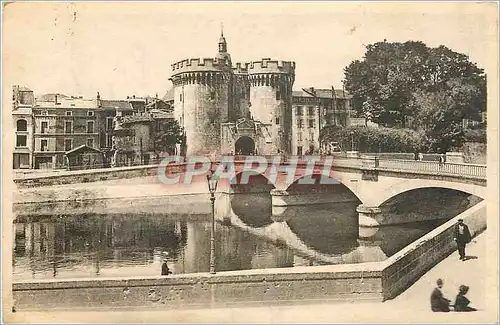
(372, 181)
(369, 181)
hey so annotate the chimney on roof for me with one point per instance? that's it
(99, 104)
(55, 99)
(312, 90)
(133, 96)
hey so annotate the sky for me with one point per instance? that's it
(124, 49)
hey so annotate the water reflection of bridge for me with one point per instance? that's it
(247, 236)
(324, 236)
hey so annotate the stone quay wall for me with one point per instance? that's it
(226, 288)
(364, 281)
(87, 176)
(408, 265)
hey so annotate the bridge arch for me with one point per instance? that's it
(386, 193)
(425, 204)
(340, 189)
(257, 183)
(252, 202)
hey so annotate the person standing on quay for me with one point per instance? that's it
(164, 268)
(438, 302)
(462, 237)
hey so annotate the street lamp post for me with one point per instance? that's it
(212, 187)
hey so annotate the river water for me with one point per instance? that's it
(73, 246)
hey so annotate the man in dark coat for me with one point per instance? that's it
(164, 269)
(438, 302)
(462, 237)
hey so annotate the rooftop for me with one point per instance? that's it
(122, 105)
(82, 148)
(68, 102)
(327, 93)
(169, 95)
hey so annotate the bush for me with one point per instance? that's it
(368, 139)
(477, 135)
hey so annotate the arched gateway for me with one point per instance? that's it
(244, 146)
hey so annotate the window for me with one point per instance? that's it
(299, 136)
(22, 125)
(278, 94)
(311, 123)
(69, 113)
(311, 110)
(90, 126)
(109, 140)
(299, 150)
(90, 113)
(109, 123)
(68, 127)
(299, 123)
(21, 140)
(45, 126)
(90, 142)
(298, 111)
(68, 144)
(180, 97)
(45, 113)
(44, 144)
(277, 120)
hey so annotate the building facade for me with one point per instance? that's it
(62, 125)
(134, 138)
(312, 110)
(22, 114)
(214, 100)
(49, 128)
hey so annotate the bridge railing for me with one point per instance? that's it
(431, 167)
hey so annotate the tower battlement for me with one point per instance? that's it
(198, 64)
(241, 67)
(267, 65)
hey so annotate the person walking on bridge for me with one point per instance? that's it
(462, 237)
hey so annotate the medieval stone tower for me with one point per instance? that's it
(223, 109)
(271, 99)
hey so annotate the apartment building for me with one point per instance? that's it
(22, 116)
(313, 109)
(62, 124)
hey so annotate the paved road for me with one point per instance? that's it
(411, 306)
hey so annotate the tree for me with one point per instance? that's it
(440, 113)
(168, 134)
(385, 82)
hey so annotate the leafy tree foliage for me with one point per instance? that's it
(434, 87)
(168, 134)
(369, 139)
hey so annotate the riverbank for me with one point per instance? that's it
(410, 306)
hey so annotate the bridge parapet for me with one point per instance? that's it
(430, 167)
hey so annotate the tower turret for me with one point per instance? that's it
(223, 55)
(271, 85)
(201, 101)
